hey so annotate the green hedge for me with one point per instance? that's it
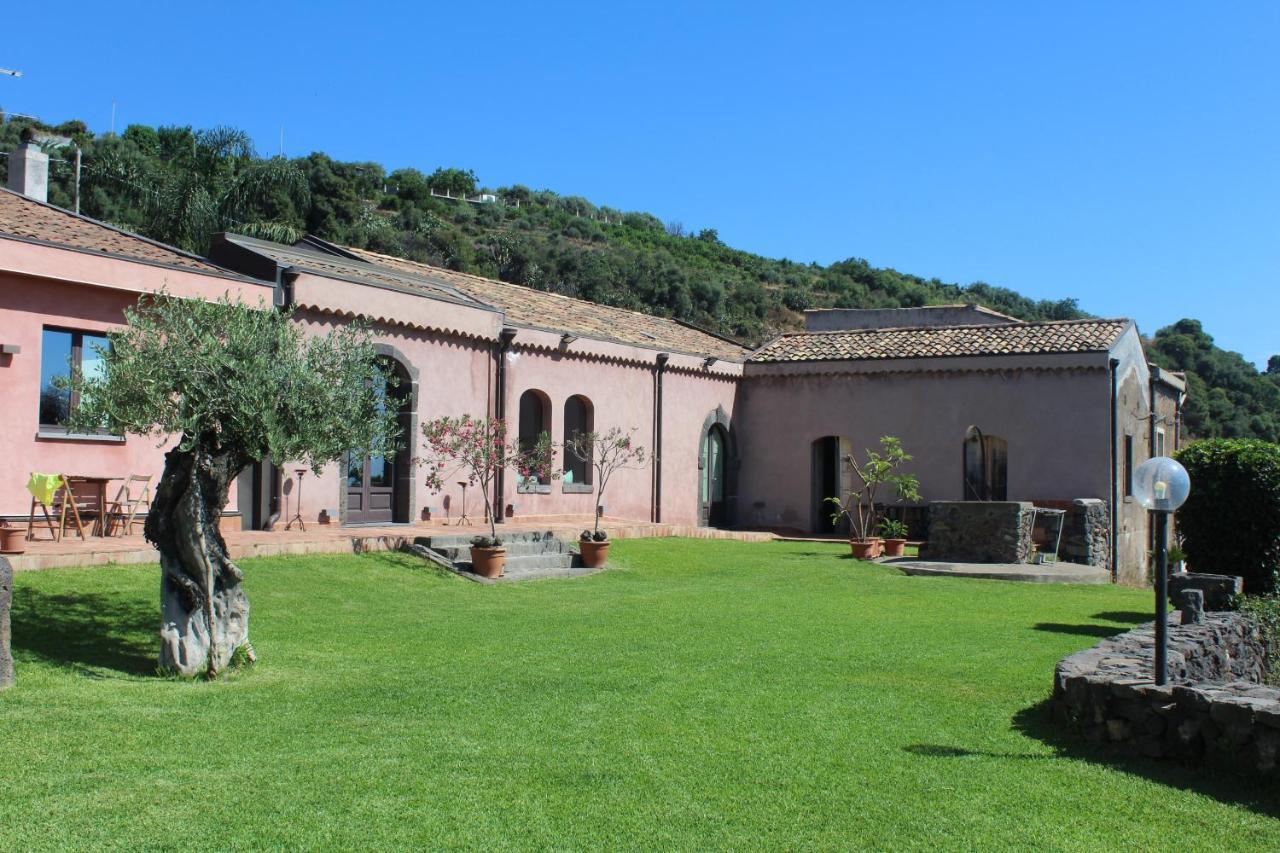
(1230, 524)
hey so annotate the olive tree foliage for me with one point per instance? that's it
(234, 384)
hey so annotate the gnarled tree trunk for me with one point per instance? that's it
(204, 611)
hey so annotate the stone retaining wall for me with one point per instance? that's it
(1214, 710)
(980, 531)
(1085, 532)
(6, 599)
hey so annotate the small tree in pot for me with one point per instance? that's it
(606, 453)
(878, 471)
(237, 384)
(477, 449)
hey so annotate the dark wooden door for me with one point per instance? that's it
(370, 489)
(711, 484)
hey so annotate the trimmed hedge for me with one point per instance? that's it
(1230, 523)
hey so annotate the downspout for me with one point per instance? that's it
(1151, 391)
(1115, 480)
(660, 368)
(505, 337)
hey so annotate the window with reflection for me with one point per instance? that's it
(63, 351)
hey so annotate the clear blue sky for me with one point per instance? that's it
(1127, 154)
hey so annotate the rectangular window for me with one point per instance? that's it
(1159, 442)
(61, 351)
(1128, 466)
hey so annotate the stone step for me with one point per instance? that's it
(514, 549)
(528, 563)
(463, 540)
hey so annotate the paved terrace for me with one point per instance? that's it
(333, 539)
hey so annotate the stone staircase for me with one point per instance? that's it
(530, 555)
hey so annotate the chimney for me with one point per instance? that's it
(29, 168)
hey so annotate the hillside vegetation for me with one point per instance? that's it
(181, 185)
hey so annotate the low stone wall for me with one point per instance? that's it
(1085, 533)
(6, 599)
(980, 531)
(1214, 710)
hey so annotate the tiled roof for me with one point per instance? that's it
(525, 306)
(336, 266)
(1012, 339)
(31, 220)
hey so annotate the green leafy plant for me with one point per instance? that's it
(1266, 610)
(891, 528)
(1230, 523)
(878, 471)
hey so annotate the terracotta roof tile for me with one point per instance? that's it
(31, 220)
(1014, 339)
(526, 306)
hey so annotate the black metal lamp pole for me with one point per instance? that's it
(1162, 597)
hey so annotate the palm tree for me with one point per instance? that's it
(207, 181)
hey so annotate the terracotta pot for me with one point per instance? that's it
(13, 540)
(863, 549)
(594, 553)
(488, 562)
(894, 547)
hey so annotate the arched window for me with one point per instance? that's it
(579, 417)
(986, 467)
(535, 421)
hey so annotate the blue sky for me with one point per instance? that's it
(1126, 154)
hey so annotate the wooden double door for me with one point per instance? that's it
(377, 485)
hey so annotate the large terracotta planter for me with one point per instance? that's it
(593, 553)
(864, 549)
(894, 547)
(13, 540)
(488, 562)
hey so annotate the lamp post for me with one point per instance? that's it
(1161, 485)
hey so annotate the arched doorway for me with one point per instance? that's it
(831, 478)
(711, 491)
(377, 486)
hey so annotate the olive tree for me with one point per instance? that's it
(235, 384)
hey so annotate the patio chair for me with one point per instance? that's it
(134, 493)
(53, 492)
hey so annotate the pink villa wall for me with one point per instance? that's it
(88, 293)
(1056, 422)
(689, 398)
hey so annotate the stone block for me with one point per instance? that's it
(6, 600)
(1219, 590)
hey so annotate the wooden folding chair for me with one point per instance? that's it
(135, 493)
(63, 499)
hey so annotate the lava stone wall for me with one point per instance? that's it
(980, 531)
(6, 599)
(1085, 533)
(1214, 710)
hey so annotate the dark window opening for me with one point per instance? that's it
(535, 422)
(61, 352)
(986, 467)
(1128, 466)
(579, 417)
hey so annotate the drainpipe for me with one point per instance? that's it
(1151, 390)
(505, 337)
(1115, 479)
(659, 369)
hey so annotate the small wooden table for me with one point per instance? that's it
(100, 484)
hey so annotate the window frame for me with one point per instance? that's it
(46, 430)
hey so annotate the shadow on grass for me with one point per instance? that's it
(87, 632)
(937, 750)
(1083, 630)
(1131, 617)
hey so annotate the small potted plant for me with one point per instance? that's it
(605, 453)
(895, 536)
(879, 470)
(477, 449)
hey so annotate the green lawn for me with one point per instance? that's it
(703, 694)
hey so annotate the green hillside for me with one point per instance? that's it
(180, 185)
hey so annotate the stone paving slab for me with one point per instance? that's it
(1025, 572)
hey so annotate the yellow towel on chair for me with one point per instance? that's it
(43, 486)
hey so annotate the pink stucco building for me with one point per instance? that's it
(744, 438)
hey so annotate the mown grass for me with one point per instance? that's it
(703, 694)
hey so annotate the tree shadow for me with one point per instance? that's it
(1083, 630)
(87, 632)
(1037, 722)
(937, 750)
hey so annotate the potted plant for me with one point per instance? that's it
(895, 536)
(12, 539)
(476, 449)
(879, 470)
(605, 453)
